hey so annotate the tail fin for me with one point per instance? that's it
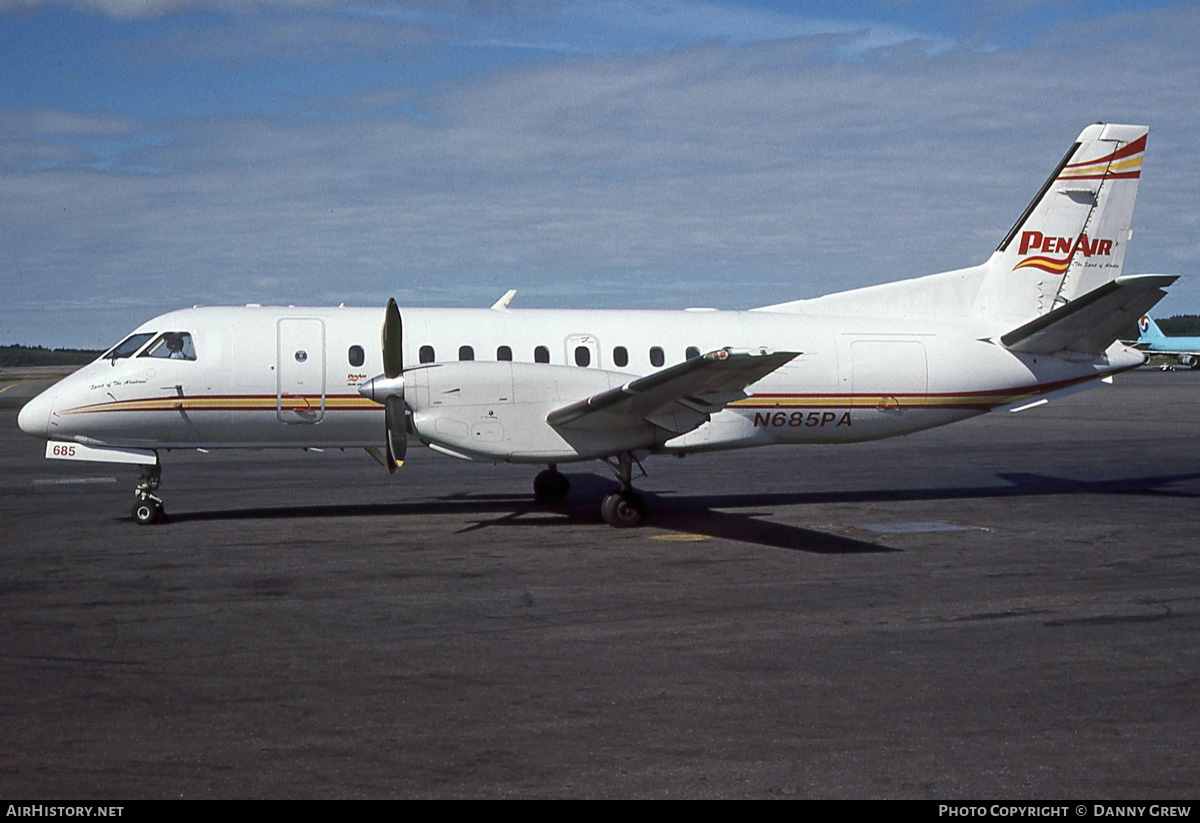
(1071, 239)
(1150, 332)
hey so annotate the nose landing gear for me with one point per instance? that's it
(148, 506)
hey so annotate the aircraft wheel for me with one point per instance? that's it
(146, 512)
(624, 510)
(551, 486)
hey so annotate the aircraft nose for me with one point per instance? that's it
(34, 417)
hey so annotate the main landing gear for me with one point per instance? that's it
(551, 486)
(148, 506)
(623, 509)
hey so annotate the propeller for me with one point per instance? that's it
(388, 388)
(393, 341)
(397, 435)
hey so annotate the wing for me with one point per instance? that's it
(1093, 322)
(676, 399)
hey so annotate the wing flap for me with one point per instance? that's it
(1092, 322)
(676, 399)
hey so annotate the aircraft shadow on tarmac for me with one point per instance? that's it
(707, 515)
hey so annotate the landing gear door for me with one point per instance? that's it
(300, 366)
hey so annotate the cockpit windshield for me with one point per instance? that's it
(128, 347)
(172, 345)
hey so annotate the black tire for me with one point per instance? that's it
(623, 510)
(145, 512)
(551, 486)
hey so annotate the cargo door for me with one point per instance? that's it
(890, 375)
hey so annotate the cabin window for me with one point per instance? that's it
(656, 356)
(171, 345)
(583, 356)
(504, 353)
(541, 355)
(425, 355)
(466, 353)
(129, 346)
(356, 356)
(620, 357)
(692, 353)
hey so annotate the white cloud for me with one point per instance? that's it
(135, 9)
(713, 175)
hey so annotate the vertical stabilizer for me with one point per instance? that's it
(1151, 334)
(1072, 237)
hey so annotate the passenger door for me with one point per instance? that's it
(300, 366)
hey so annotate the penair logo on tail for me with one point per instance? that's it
(1123, 164)
(1068, 247)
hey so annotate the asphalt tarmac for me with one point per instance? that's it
(1006, 608)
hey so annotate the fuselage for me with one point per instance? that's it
(1169, 345)
(277, 377)
(1173, 344)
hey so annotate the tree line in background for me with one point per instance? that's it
(15, 355)
(1181, 325)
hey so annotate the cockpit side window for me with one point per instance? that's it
(172, 345)
(128, 347)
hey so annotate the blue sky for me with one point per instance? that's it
(164, 153)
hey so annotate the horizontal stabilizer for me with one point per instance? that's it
(678, 398)
(1091, 323)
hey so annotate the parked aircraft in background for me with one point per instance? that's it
(1185, 349)
(1040, 316)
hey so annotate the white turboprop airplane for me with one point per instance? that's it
(1041, 316)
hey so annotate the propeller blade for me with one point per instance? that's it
(392, 382)
(397, 435)
(393, 340)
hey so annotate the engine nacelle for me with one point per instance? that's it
(1187, 361)
(479, 410)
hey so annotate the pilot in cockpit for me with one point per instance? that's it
(172, 345)
(175, 347)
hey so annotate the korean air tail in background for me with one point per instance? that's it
(1151, 335)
